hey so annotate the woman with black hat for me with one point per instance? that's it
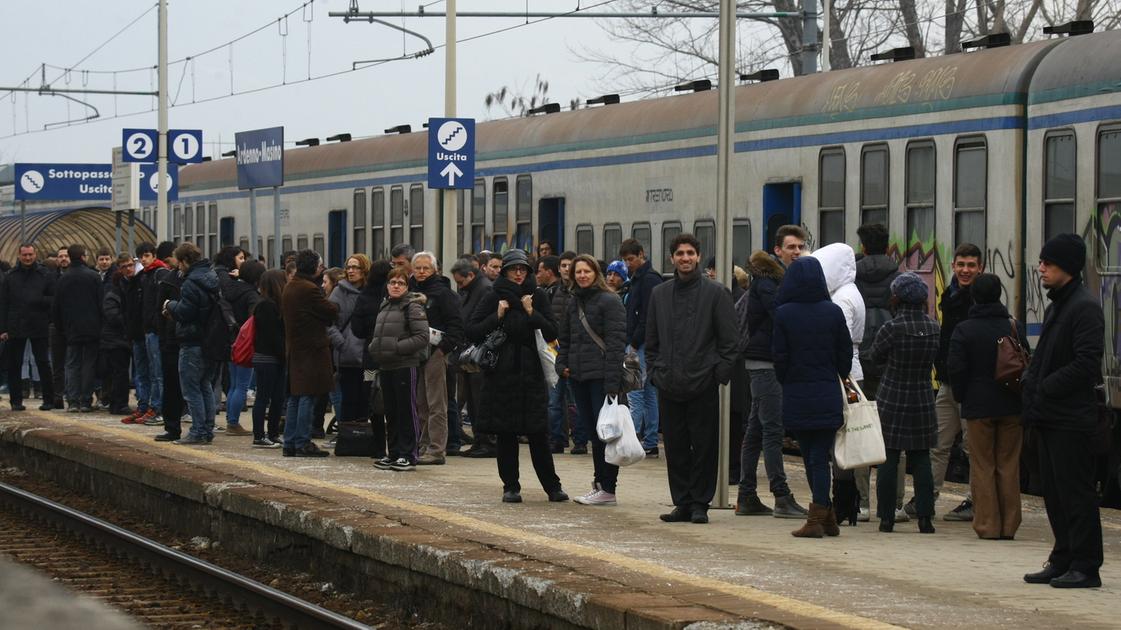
(515, 394)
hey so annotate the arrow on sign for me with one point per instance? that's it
(451, 171)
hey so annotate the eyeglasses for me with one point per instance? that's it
(397, 283)
(349, 267)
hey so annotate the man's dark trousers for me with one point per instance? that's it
(172, 392)
(17, 346)
(1067, 474)
(81, 369)
(690, 430)
(58, 367)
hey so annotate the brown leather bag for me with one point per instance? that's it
(1011, 359)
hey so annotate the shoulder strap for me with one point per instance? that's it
(591, 333)
(1015, 335)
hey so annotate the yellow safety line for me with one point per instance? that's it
(749, 593)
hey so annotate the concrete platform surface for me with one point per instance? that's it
(740, 566)
(31, 600)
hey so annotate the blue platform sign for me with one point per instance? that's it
(260, 158)
(451, 153)
(140, 145)
(64, 182)
(149, 182)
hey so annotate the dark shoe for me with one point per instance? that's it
(310, 450)
(42, 407)
(192, 440)
(925, 526)
(1045, 576)
(678, 515)
(750, 505)
(511, 496)
(558, 496)
(887, 525)
(652, 452)
(402, 464)
(787, 507)
(86, 409)
(813, 527)
(480, 452)
(289, 452)
(383, 463)
(700, 516)
(963, 512)
(830, 523)
(556, 449)
(166, 437)
(581, 449)
(22, 408)
(453, 452)
(910, 509)
(1077, 579)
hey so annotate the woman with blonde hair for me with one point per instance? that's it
(348, 348)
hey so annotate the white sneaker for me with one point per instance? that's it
(901, 516)
(597, 497)
(250, 398)
(865, 515)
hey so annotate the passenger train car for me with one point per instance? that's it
(1002, 147)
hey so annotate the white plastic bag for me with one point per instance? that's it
(860, 442)
(625, 450)
(547, 353)
(608, 425)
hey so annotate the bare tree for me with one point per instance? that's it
(517, 103)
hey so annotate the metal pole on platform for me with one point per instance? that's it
(161, 171)
(725, 132)
(253, 224)
(448, 209)
(278, 255)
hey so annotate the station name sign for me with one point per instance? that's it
(260, 158)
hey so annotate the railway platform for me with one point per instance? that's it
(440, 540)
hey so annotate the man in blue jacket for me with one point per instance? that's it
(643, 402)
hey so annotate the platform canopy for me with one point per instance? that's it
(94, 227)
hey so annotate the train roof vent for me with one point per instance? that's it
(230, 153)
(606, 99)
(308, 142)
(694, 86)
(339, 137)
(895, 54)
(1077, 27)
(992, 40)
(547, 108)
(767, 74)
(206, 158)
(400, 129)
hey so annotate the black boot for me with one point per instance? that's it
(887, 525)
(925, 526)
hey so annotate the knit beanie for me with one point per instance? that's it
(1068, 251)
(909, 288)
(513, 258)
(985, 289)
(618, 267)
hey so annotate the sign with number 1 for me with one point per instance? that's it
(141, 145)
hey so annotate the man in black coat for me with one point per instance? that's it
(643, 402)
(1060, 404)
(114, 350)
(77, 316)
(473, 286)
(25, 306)
(690, 348)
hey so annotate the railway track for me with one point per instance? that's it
(157, 585)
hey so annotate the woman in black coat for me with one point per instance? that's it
(991, 409)
(515, 394)
(268, 360)
(907, 346)
(593, 372)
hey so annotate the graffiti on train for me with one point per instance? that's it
(925, 259)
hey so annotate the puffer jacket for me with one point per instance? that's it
(400, 336)
(766, 274)
(25, 304)
(838, 261)
(874, 274)
(579, 353)
(812, 349)
(197, 295)
(559, 299)
(346, 346)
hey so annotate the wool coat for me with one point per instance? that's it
(766, 275)
(972, 363)
(579, 352)
(77, 305)
(400, 336)
(307, 314)
(515, 394)
(906, 347)
(113, 315)
(812, 349)
(25, 304)
(347, 348)
(442, 310)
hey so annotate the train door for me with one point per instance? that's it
(550, 222)
(782, 205)
(226, 231)
(336, 238)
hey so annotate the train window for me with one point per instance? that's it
(921, 175)
(416, 216)
(831, 197)
(285, 243)
(188, 222)
(272, 250)
(301, 242)
(359, 219)
(213, 220)
(200, 226)
(741, 242)
(585, 239)
(705, 231)
(1058, 183)
(155, 220)
(479, 216)
(318, 246)
(612, 239)
(523, 214)
(501, 212)
(670, 230)
(874, 184)
(1109, 196)
(243, 243)
(970, 191)
(377, 221)
(396, 217)
(641, 233)
(261, 251)
(176, 222)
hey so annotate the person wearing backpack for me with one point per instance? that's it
(237, 279)
(991, 410)
(198, 297)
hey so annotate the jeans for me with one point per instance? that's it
(644, 407)
(558, 421)
(886, 480)
(235, 397)
(39, 350)
(589, 400)
(155, 372)
(816, 446)
(297, 423)
(270, 398)
(763, 434)
(81, 367)
(197, 377)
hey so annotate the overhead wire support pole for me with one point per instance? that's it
(161, 170)
(449, 207)
(724, 152)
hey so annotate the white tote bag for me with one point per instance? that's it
(547, 353)
(625, 449)
(860, 442)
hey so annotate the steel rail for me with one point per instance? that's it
(291, 611)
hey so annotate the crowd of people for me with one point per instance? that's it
(381, 342)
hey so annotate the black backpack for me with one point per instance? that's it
(221, 329)
(874, 319)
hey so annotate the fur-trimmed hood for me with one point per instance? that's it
(764, 265)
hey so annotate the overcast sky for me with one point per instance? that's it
(361, 103)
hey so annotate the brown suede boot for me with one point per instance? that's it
(813, 527)
(829, 525)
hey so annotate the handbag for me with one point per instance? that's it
(1011, 360)
(483, 356)
(631, 378)
(860, 442)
